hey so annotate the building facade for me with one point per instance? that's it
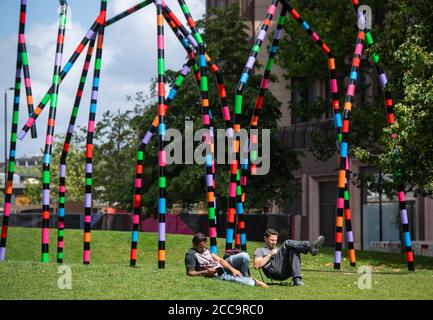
(374, 217)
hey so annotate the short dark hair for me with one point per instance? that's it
(198, 237)
(271, 232)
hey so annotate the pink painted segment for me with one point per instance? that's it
(62, 189)
(27, 82)
(91, 126)
(358, 49)
(138, 183)
(160, 42)
(244, 181)
(401, 197)
(272, 9)
(60, 244)
(254, 139)
(22, 38)
(30, 122)
(45, 235)
(340, 203)
(265, 83)
(206, 119)
(347, 163)
(49, 139)
(232, 189)
(315, 37)
(61, 225)
(7, 209)
(351, 90)
(162, 159)
(86, 65)
(334, 88)
(226, 113)
(212, 232)
(86, 255)
(136, 219)
(87, 219)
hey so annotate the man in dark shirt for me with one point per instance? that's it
(285, 262)
(199, 261)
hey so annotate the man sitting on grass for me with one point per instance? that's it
(285, 262)
(199, 261)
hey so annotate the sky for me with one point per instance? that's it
(128, 60)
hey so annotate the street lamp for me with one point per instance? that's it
(6, 131)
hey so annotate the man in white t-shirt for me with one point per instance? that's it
(199, 261)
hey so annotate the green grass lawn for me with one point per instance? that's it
(109, 276)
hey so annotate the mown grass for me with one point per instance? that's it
(109, 276)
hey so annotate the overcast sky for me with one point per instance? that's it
(128, 62)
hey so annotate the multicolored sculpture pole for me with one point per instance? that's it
(243, 162)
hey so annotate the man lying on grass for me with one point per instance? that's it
(199, 261)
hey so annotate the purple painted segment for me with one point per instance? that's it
(337, 257)
(383, 80)
(46, 197)
(21, 135)
(88, 200)
(88, 168)
(161, 231)
(58, 60)
(192, 41)
(71, 128)
(63, 170)
(262, 35)
(185, 70)
(278, 34)
(209, 180)
(250, 63)
(90, 34)
(2, 253)
(147, 137)
(349, 236)
(94, 95)
(404, 219)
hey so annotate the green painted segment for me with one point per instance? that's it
(369, 39)
(161, 66)
(346, 195)
(98, 63)
(46, 177)
(61, 233)
(162, 182)
(14, 137)
(54, 98)
(60, 255)
(238, 104)
(46, 98)
(253, 155)
(83, 79)
(140, 155)
(282, 21)
(15, 117)
(179, 81)
(45, 258)
(376, 58)
(238, 175)
(203, 84)
(75, 111)
(56, 79)
(211, 213)
(256, 48)
(88, 181)
(12, 166)
(270, 64)
(62, 200)
(238, 190)
(18, 85)
(198, 38)
(185, 9)
(24, 58)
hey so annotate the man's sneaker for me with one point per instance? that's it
(297, 282)
(316, 244)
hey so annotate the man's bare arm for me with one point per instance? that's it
(203, 273)
(260, 262)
